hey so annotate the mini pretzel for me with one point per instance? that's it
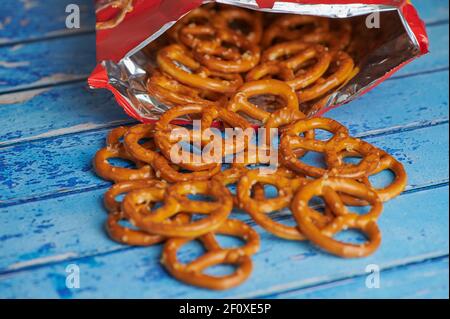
(135, 207)
(329, 189)
(286, 28)
(115, 149)
(124, 6)
(259, 207)
(225, 18)
(170, 58)
(291, 141)
(336, 40)
(173, 93)
(387, 162)
(163, 169)
(243, 57)
(343, 67)
(197, 17)
(298, 54)
(193, 273)
(241, 103)
(208, 114)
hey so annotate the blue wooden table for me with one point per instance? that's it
(51, 213)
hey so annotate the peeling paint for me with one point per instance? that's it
(13, 65)
(42, 261)
(20, 97)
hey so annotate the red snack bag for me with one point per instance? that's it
(382, 36)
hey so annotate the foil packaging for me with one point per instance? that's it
(390, 33)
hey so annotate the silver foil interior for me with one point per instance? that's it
(388, 46)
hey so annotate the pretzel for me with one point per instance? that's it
(343, 67)
(135, 207)
(163, 169)
(259, 207)
(229, 177)
(193, 272)
(198, 16)
(226, 18)
(115, 149)
(286, 28)
(217, 56)
(171, 57)
(387, 162)
(291, 141)
(338, 39)
(328, 188)
(124, 6)
(241, 103)
(292, 69)
(173, 93)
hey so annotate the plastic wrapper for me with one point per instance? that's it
(386, 35)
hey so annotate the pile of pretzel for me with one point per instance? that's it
(158, 201)
(216, 51)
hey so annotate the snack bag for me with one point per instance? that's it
(155, 54)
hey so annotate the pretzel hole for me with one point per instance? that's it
(351, 236)
(220, 270)
(127, 224)
(190, 251)
(201, 198)
(268, 102)
(382, 179)
(241, 26)
(229, 242)
(270, 191)
(315, 159)
(323, 135)
(121, 162)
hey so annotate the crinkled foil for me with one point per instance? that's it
(381, 50)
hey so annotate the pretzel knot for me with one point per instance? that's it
(245, 23)
(293, 27)
(241, 102)
(292, 69)
(179, 63)
(291, 142)
(115, 149)
(330, 189)
(259, 207)
(173, 93)
(124, 7)
(137, 207)
(196, 17)
(193, 272)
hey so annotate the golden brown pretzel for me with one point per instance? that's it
(341, 70)
(197, 17)
(287, 28)
(329, 189)
(193, 273)
(173, 93)
(136, 208)
(115, 149)
(228, 18)
(124, 6)
(337, 39)
(241, 100)
(171, 57)
(292, 69)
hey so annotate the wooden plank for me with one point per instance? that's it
(415, 228)
(423, 280)
(432, 11)
(46, 63)
(60, 110)
(27, 20)
(71, 225)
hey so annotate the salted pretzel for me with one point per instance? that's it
(340, 70)
(115, 149)
(175, 200)
(193, 272)
(230, 19)
(387, 162)
(329, 189)
(124, 7)
(336, 40)
(197, 17)
(292, 69)
(293, 27)
(164, 133)
(175, 60)
(162, 167)
(241, 100)
(173, 93)
(259, 207)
